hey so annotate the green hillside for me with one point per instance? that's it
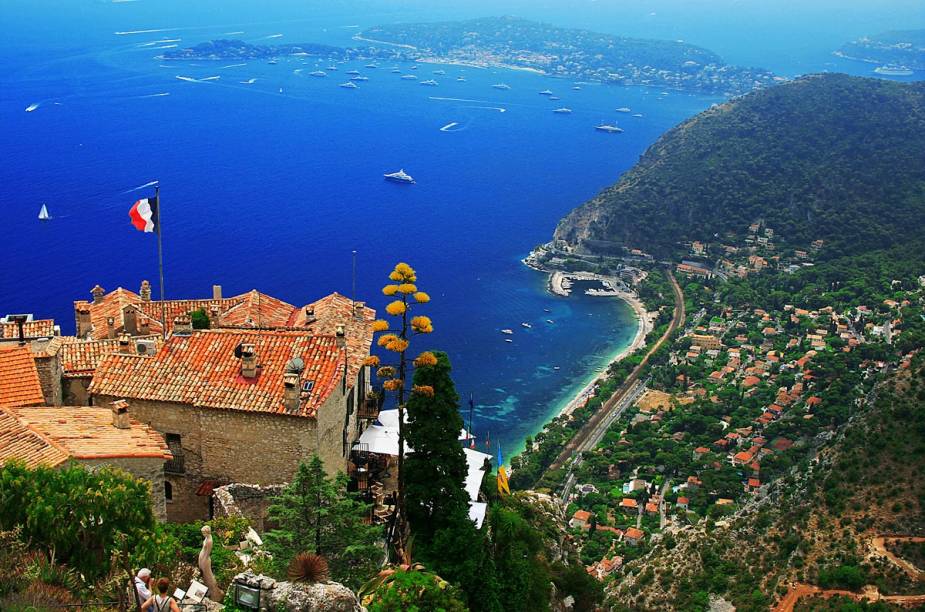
(827, 157)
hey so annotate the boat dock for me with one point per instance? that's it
(560, 283)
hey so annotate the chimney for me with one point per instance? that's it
(216, 292)
(291, 391)
(110, 328)
(358, 309)
(215, 316)
(125, 344)
(309, 314)
(120, 418)
(182, 326)
(248, 360)
(20, 321)
(83, 321)
(341, 335)
(97, 293)
(145, 291)
(130, 320)
(144, 327)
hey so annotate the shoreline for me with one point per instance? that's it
(567, 406)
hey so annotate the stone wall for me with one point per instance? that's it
(227, 446)
(146, 468)
(249, 501)
(74, 390)
(49, 369)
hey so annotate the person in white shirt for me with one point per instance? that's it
(143, 584)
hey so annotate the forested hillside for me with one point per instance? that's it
(828, 157)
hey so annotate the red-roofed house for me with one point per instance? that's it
(633, 536)
(240, 406)
(683, 502)
(19, 380)
(90, 436)
(750, 381)
(628, 504)
(581, 519)
(741, 458)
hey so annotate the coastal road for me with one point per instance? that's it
(592, 432)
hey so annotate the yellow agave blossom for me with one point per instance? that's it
(390, 290)
(396, 308)
(371, 361)
(407, 288)
(385, 372)
(425, 390)
(395, 276)
(380, 326)
(421, 298)
(422, 325)
(392, 385)
(425, 359)
(386, 338)
(397, 345)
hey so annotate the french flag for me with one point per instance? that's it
(144, 215)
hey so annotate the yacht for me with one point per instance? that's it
(545, 92)
(349, 85)
(318, 73)
(331, 68)
(359, 77)
(577, 87)
(460, 78)
(508, 340)
(606, 127)
(273, 61)
(507, 332)
(415, 67)
(372, 65)
(554, 98)
(43, 213)
(893, 70)
(526, 325)
(396, 71)
(501, 86)
(550, 321)
(399, 177)
(624, 109)
(639, 115)
(430, 82)
(439, 71)
(409, 77)
(563, 111)
(353, 72)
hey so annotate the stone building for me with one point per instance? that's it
(19, 379)
(90, 437)
(241, 405)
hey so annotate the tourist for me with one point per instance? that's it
(162, 602)
(143, 584)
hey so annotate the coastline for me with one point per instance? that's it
(568, 405)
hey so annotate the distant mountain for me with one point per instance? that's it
(572, 53)
(902, 47)
(827, 157)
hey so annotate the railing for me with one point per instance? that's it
(175, 465)
(369, 408)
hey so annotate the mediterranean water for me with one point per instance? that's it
(272, 184)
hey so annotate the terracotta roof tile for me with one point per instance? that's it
(85, 432)
(81, 357)
(21, 443)
(40, 328)
(19, 380)
(202, 370)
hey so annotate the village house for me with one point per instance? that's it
(706, 342)
(633, 536)
(580, 520)
(605, 567)
(247, 405)
(90, 437)
(19, 379)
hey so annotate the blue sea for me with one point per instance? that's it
(272, 185)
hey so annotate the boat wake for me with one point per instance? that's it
(248, 82)
(232, 66)
(271, 36)
(495, 108)
(451, 127)
(458, 100)
(154, 95)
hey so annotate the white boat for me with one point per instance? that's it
(563, 111)
(248, 82)
(32, 107)
(353, 72)
(507, 331)
(396, 71)
(399, 177)
(430, 82)
(624, 109)
(554, 98)
(273, 61)
(372, 65)
(359, 77)
(545, 92)
(43, 214)
(460, 78)
(508, 340)
(526, 325)
(349, 85)
(893, 70)
(415, 67)
(550, 321)
(331, 68)
(439, 71)
(318, 73)
(556, 368)
(501, 86)
(577, 87)
(610, 129)
(409, 77)
(639, 115)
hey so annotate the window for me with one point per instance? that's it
(175, 465)
(168, 491)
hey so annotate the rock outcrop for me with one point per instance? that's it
(300, 597)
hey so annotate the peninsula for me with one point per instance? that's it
(510, 42)
(904, 48)
(233, 49)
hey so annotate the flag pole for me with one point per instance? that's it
(160, 256)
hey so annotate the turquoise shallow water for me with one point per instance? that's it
(274, 191)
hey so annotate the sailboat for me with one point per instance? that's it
(43, 214)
